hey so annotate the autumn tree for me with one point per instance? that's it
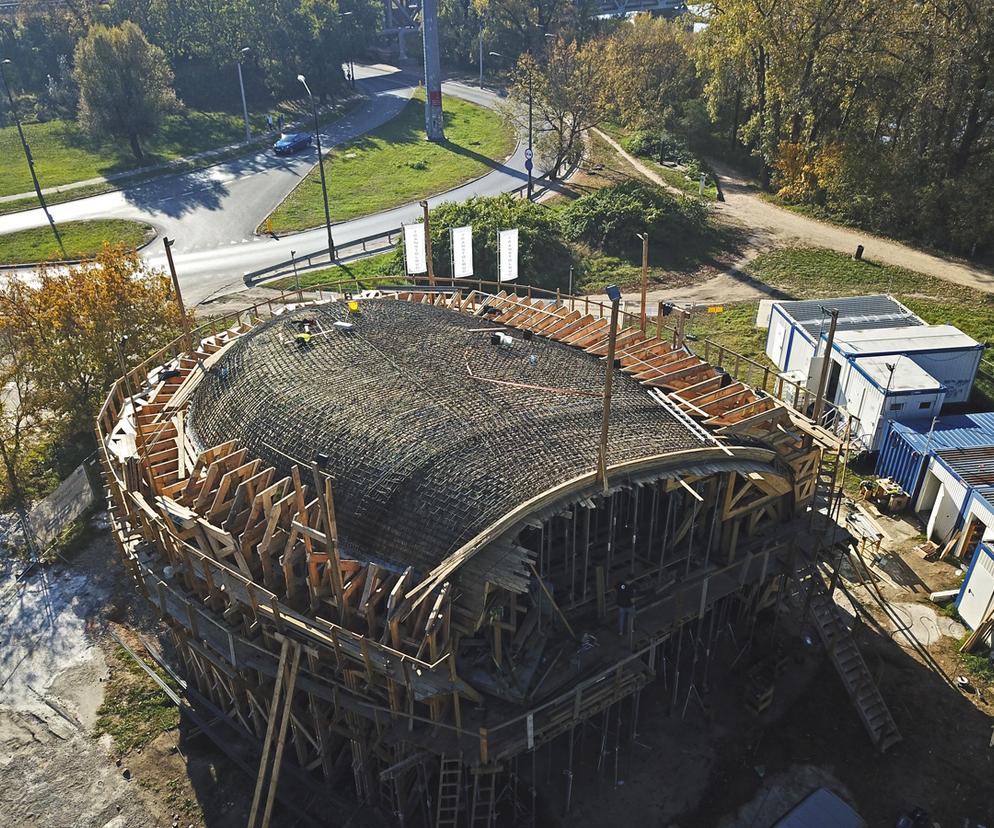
(21, 407)
(565, 87)
(60, 336)
(125, 84)
(649, 72)
(882, 113)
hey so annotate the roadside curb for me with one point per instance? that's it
(465, 183)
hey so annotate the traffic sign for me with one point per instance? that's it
(528, 153)
(528, 164)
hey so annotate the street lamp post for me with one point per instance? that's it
(30, 160)
(241, 86)
(531, 153)
(324, 184)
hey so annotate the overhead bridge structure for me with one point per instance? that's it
(378, 535)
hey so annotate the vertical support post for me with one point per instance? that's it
(431, 267)
(601, 597)
(608, 378)
(433, 72)
(168, 244)
(645, 278)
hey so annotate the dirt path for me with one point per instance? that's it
(744, 206)
(769, 226)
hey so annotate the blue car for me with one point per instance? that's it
(291, 142)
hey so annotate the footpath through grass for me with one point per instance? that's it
(395, 165)
(82, 240)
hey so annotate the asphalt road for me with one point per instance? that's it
(212, 213)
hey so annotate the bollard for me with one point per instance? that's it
(858, 255)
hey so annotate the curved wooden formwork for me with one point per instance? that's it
(387, 681)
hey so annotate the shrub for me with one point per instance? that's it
(659, 146)
(610, 218)
(543, 257)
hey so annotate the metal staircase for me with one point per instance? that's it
(449, 792)
(848, 661)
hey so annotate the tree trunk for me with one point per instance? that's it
(136, 147)
(733, 133)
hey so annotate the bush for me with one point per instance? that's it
(659, 146)
(609, 219)
(543, 257)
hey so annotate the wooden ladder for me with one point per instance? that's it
(824, 503)
(449, 792)
(848, 662)
(482, 813)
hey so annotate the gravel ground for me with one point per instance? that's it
(53, 772)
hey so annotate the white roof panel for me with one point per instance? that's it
(907, 375)
(904, 339)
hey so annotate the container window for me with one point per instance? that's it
(896, 406)
(925, 405)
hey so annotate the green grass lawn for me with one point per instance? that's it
(135, 709)
(734, 328)
(82, 240)
(805, 273)
(64, 153)
(394, 164)
(345, 274)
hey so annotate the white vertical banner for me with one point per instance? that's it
(462, 251)
(507, 255)
(414, 249)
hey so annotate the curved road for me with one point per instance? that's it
(212, 213)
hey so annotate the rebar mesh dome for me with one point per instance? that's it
(431, 431)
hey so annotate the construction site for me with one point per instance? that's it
(387, 531)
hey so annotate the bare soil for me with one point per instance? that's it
(56, 661)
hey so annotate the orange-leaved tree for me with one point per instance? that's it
(63, 330)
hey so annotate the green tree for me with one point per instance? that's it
(125, 84)
(650, 72)
(566, 93)
(610, 218)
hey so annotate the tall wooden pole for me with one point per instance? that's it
(431, 268)
(608, 377)
(645, 275)
(168, 244)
